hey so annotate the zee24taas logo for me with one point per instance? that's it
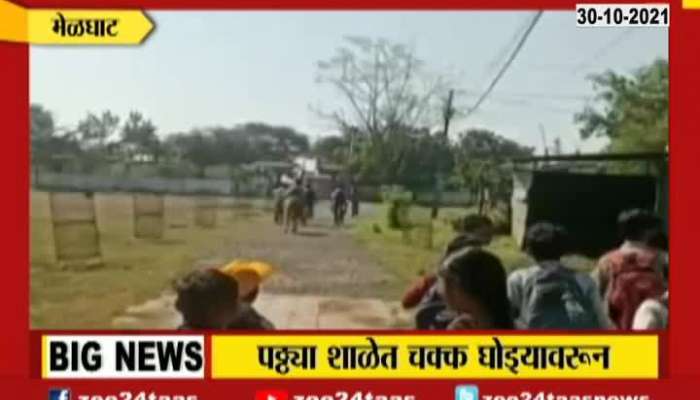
(466, 392)
(59, 394)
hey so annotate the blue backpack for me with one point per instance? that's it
(555, 300)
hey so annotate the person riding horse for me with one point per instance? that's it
(278, 199)
(338, 205)
(309, 201)
(294, 207)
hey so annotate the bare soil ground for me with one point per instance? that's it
(319, 260)
(322, 263)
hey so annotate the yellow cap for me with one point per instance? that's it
(249, 274)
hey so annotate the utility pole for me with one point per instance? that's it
(447, 115)
(544, 144)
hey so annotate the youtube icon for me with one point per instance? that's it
(271, 395)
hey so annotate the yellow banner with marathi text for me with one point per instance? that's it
(435, 356)
(72, 27)
(692, 4)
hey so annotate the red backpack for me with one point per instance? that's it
(633, 280)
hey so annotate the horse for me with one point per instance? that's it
(339, 209)
(278, 205)
(293, 213)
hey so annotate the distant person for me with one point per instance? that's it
(338, 205)
(476, 225)
(424, 295)
(549, 295)
(278, 199)
(294, 211)
(473, 284)
(635, 271)
(354, 201)
(310, 200)
(295, 189)
(207, 300)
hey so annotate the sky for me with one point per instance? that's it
(225, 68)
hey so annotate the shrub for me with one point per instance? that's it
(397, 215)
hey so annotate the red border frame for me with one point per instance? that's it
(680, 372)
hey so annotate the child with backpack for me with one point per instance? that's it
(473, 283)
(249, 276)
(222, 298)
(423, 295)
(549, 295)
(207, 299)
(652, 314)
(634, 272)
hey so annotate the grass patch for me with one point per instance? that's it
(407, 260)
(133, 270)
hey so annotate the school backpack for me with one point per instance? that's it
(432, 312)
(633, 280)
(555, 299)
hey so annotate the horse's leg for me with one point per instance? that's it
(295, 222)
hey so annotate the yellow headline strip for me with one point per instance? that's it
(434, 357)
(13, 22)
(691, 4)
(72, 27)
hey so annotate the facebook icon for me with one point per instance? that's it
(467, 392)
(59, 394)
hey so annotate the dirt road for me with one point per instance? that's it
(323, 279)
(319, 260)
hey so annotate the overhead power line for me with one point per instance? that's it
(543, 95)
(507, 64)
(604, 50)
(502, 54)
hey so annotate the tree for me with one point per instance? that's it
(42, 123)
(42, 129)
(479, 157)
(238, 145)
(95, 131)
(45, 142)
(383, 86)
(274, 142)
(138, 135)
(196, 147)
(632, 110)
(407, 156)
(334, 149)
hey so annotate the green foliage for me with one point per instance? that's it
(94, 132)
(397, 214)
(139, 136)
(632, 110)
(390, 193)
(399, 202)
(238, 145)
(479, 161)
(92, 144)
(334, 149)
(42, 123)
(408, 157)
(47, 145)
